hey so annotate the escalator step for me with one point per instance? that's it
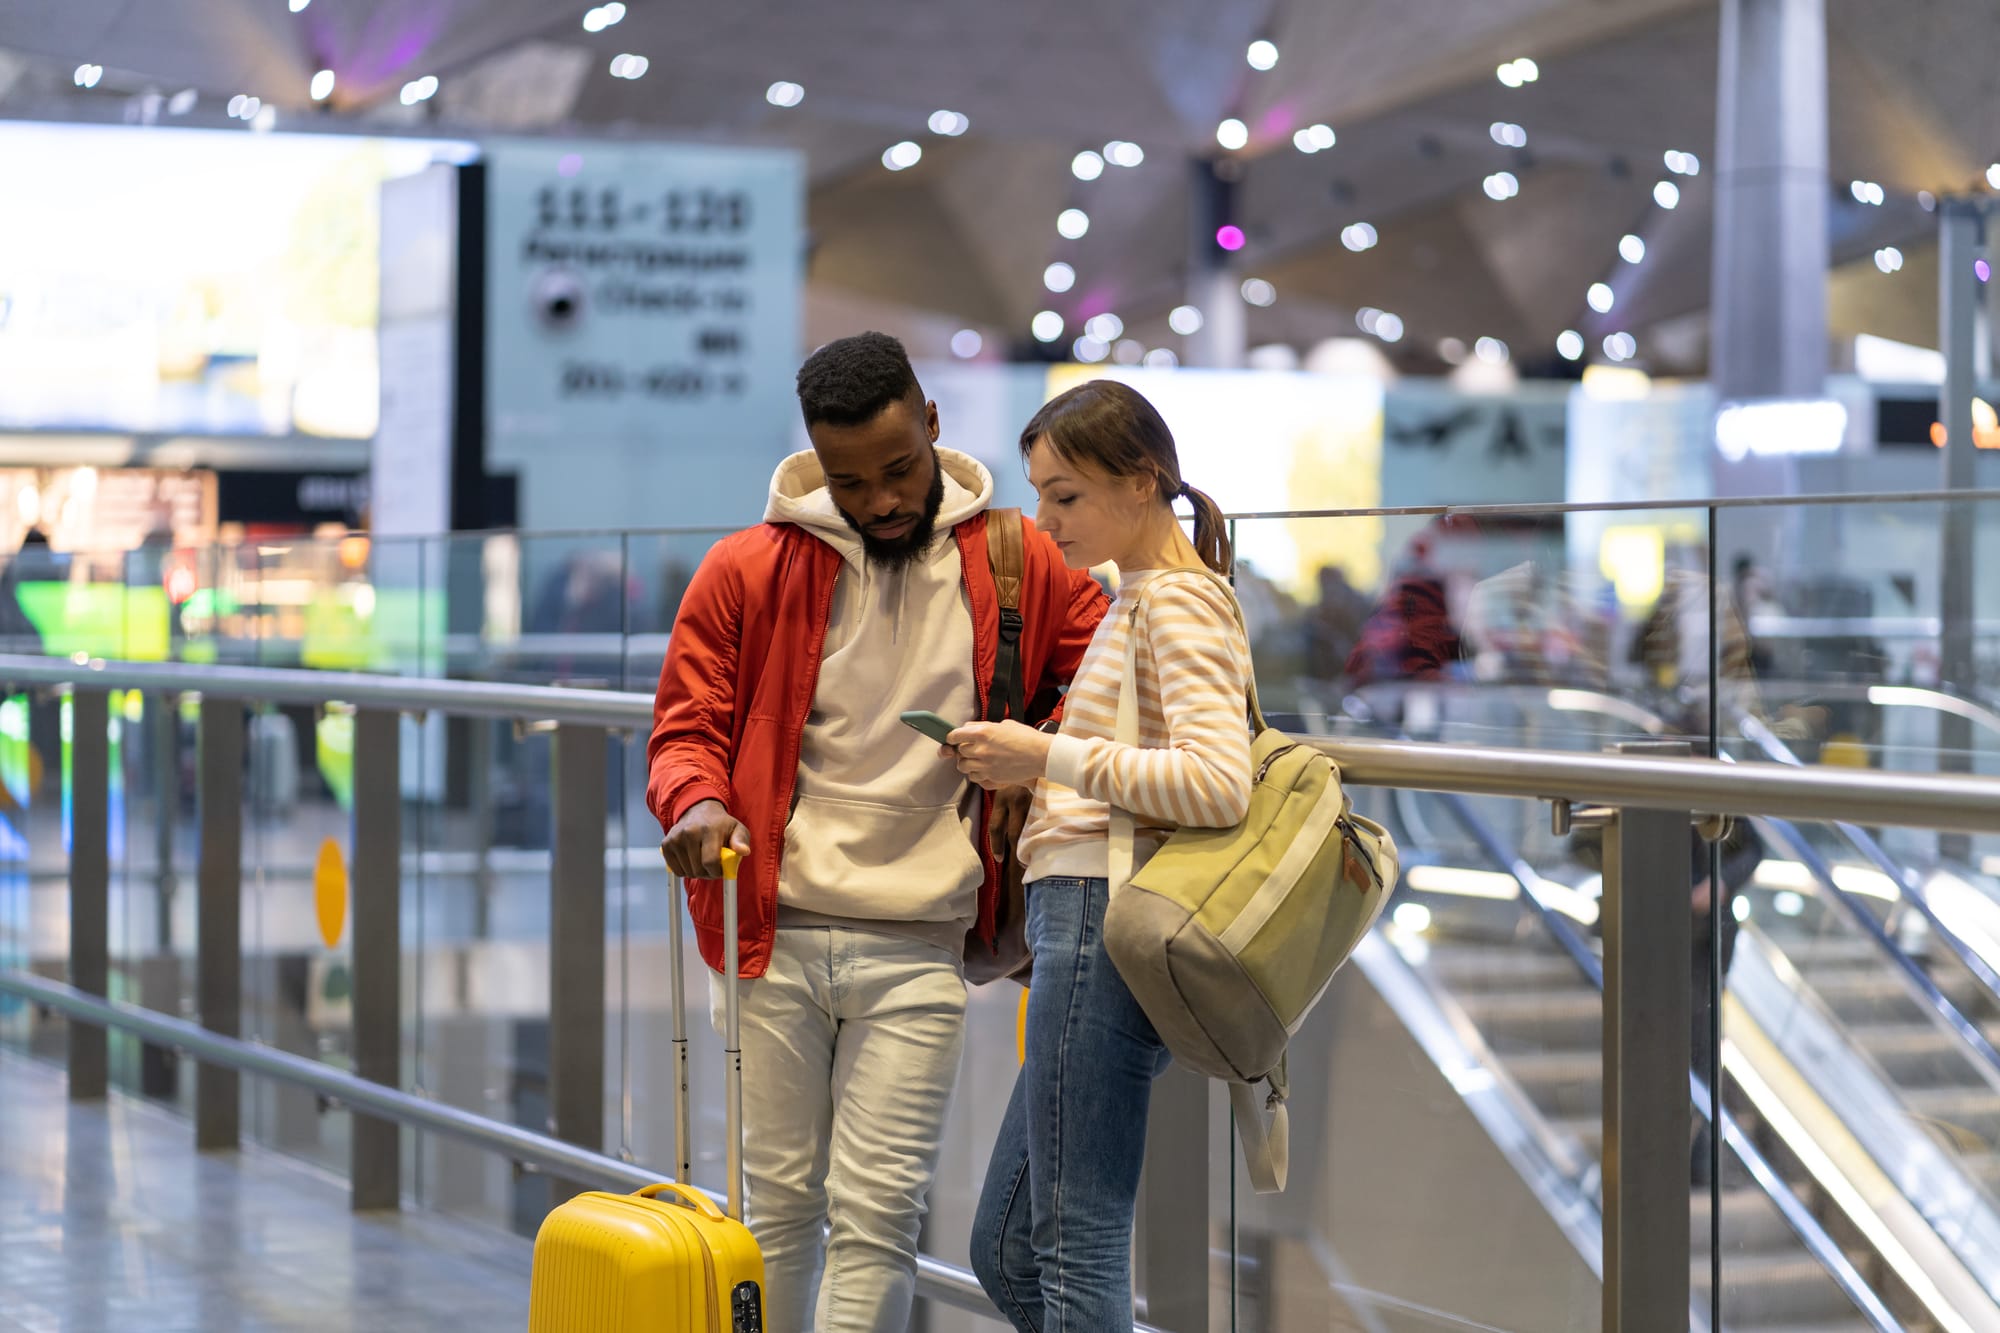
(1970, 1114)
(1500, 967)
(1751, 1224)
(1762, 1291)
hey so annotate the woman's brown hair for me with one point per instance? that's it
(1110, 426)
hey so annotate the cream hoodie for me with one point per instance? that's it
(882, 829)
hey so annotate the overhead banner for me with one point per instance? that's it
(644, 302)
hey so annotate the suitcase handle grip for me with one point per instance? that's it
(693, 1198)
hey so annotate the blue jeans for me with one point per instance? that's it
(1052, 1238)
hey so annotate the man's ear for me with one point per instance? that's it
(931, 420)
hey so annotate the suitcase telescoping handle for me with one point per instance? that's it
(731, 1040)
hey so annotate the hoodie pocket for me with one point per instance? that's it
(876, 862)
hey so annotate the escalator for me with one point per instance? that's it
(1861, 1088)
(1536, 997)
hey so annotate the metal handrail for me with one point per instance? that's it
(617, 710)
(936, 1280)
(1957, 804)
(1945, 802)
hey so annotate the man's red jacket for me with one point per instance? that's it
(741, 670)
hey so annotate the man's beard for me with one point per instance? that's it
(906, 550)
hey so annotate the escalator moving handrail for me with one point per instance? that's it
(1940, 1003)
(1797, 1216)
(1523, 874)
(1904, 880)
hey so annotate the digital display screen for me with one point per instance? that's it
(200, 282)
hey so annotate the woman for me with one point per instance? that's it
(1052, 1237)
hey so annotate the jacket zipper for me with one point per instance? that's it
(791, 784)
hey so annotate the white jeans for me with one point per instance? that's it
(851, 1044)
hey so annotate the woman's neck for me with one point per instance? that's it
(1161, 544)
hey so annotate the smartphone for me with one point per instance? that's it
(930, 724)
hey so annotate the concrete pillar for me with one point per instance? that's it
(1213, 287)
(1959, 227)
(1768, 311)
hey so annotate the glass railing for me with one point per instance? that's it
(1556, 629)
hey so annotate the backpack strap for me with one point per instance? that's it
(1267, 1149)
(1006, 552)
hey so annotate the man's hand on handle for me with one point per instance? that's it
(694, 844)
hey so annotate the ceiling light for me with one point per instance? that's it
(951, 124)
(1993, 175)
(629, 66)
(1106, 328)
(1631, 249)
(1621, 347)
(1047, 326)
(1667, 194)
(784, 94)
(1232, 134)
(1262, 55)
(86, 76)
(1508, 135)
(1889, 259)
(965, 344)
(1358, 237)
(1128, 352)
(1389, 328)
(1184, 320)
(1088, 348)
(1452, 351)
(1601, 297)
(299, 6)
(1162, 358)
(602, 17)
(1867, 192)
(1569, 345)
(1683, 164)
(1072, 223)
(1259, 292)
(1314, 139)
(1122, 154)
(1086, 166)
(245, 107)
(1366, 318)
(902, 156)
(182, 102)
(420, 90)
(322, 85)
(1492, 351)
(1229, 237)
(265, 120)
(1502, 185)
(1059, 277)
(1517, 72)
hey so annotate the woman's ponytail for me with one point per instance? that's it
(1211, 532)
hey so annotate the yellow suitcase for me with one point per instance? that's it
(666, 1259)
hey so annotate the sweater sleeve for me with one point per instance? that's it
(1202, 777)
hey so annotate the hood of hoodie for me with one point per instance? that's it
(799, 495)
(881, 829)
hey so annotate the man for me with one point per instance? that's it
(866, 592)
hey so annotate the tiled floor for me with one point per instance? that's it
(109, 1220)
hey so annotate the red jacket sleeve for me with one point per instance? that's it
(694, 710)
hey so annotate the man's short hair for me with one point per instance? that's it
(850, 380)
